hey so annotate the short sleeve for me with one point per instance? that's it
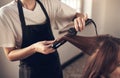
(64, 15)
(7, 38)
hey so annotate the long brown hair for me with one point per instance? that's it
(105, 60)
(103, 51)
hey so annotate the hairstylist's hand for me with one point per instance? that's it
(44, 47)
(79, 21)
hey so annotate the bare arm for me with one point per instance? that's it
(14, 54)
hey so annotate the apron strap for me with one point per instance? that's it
(44, 10)
(21, 15)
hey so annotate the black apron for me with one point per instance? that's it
(38, 65)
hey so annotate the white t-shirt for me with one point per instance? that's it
(10, 27)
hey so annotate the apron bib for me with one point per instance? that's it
(38, 65)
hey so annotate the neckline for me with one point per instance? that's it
(21, 13)
(35, 8)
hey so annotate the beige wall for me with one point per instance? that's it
(112, 18)
(98, 13)
(106, 13)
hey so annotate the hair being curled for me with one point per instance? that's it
(105, 59)
(103, 51)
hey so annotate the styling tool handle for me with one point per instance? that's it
(58, 43)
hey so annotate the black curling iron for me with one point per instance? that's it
(71, 32)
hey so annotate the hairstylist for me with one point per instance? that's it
(26, 35)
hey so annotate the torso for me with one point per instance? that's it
(44, 66)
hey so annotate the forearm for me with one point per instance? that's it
(43, 47)
(18, 54)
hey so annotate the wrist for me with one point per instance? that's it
(32, 48)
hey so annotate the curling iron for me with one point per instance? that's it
(71, 32)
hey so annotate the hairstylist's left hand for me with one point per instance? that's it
(79, 21)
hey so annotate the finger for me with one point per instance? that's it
(76, 25)
(49, 50)
(80, 24)
(49, 46)
(48, 42)
(83, 21)
(52, 50)
(51, 41)
(86, 16)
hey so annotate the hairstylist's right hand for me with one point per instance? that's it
(44, 47)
